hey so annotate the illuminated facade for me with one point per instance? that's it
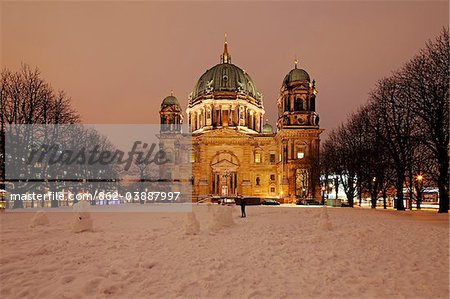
(234, 151)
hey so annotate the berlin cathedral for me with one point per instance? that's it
(235, 152)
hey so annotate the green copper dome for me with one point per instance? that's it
(267, 129)
(170, 103)
(296, 75)
(170, 100)
(226, 77)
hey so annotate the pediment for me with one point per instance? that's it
(224, 165)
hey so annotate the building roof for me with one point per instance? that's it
(170, 100)
(296, 74)
(226, 76)
(267, 129)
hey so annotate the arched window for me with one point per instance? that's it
(258, 157)
(298, 104)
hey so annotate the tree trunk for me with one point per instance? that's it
(54, 203)
(419, 198)
(18, 204)
(443, 198)
(442, 184)
(350, 202)
(373, 201)
(360, 194)
(399, 186)
(410, 200)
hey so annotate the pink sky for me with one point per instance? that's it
(118, 60)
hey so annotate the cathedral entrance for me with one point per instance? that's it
(224, 190)
(224, 181)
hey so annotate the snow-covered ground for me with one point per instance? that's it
(277, 252)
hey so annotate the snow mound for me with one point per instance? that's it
(39, 218)
(324, 221)
(222, 217)
(192, 224)
(82, 221)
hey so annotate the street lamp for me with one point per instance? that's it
(419, 186)
(323, 195)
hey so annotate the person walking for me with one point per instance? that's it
(243, 207)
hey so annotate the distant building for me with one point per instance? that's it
(236, 152)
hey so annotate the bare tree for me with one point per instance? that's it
(393, 119)
(25, 98)
(428, 76)
(401, 136)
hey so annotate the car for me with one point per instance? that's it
(227, 201)
(249, 201)
(270, 202)
(307, 202)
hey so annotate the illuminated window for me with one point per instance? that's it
(257, 158)
(192, 157)
(300, 155)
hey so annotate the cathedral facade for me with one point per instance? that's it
(235, 152)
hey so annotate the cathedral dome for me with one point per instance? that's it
(226, 77)
(170, 100)
(296, 74)
(267, 129)
(170, 103)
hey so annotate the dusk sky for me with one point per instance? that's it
(118, 60)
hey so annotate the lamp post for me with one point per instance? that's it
(374, 187)
(330, 192)
(323, 195)
(419, 186)
(336, 187)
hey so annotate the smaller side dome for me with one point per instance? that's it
(170, 114)
(296, 75)
(170, 100)
(267, 129)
